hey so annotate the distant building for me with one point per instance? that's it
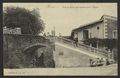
(104, 28)
(53, 32)
(11, 31)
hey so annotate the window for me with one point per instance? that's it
(98, 28)
(115, 34)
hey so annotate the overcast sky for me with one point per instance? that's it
(67, 16)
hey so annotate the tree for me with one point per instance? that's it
(30, 22)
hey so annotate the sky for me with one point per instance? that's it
(65, 17)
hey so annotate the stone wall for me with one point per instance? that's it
(111, 25)
(16, 47)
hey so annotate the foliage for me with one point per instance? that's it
(110, 43)
(29, 21)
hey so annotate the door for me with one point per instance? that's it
(85, 34)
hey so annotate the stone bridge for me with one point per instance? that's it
(21, 51)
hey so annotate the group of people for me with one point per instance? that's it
(98, 62)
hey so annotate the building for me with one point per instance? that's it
(11, 31)
(104, 28)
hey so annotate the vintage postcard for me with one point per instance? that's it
(60, 39)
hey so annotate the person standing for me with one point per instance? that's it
(76, 39)
(101, 62)
(107, 62)
(91, 63)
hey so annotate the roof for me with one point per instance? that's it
(93, 23)
(87, 25)
(108, 16)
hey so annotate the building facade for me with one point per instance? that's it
(11, 31)
(104, 28)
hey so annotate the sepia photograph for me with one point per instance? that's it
(60, 39)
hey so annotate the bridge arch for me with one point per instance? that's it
(34, 55)
(34, 46)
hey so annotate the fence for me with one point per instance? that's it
(82, 46)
